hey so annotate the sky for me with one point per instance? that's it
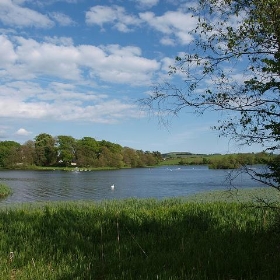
(78, 68)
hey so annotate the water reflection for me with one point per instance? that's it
(160, 182)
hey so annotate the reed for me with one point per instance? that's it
(4, 191)
(259, 196)
(139, 239)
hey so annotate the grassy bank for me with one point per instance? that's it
(4, 191)
(258, 196)
(139, 239)
(57, 168)
(217, 161)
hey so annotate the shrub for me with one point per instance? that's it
(4, 191)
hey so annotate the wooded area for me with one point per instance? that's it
(66, 151)
(219, 161)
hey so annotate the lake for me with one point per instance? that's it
(158, 182)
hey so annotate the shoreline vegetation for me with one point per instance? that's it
(214, 161)
(217, 235)
(217, 161)
(67, 153)
(5, 191)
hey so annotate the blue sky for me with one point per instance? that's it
(77, 68)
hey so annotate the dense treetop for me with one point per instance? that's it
(65, 151)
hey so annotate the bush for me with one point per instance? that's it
(4, 191)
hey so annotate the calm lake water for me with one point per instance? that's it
(159, 182)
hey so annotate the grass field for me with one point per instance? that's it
(140, 239)
(216, 161)
(258, 196)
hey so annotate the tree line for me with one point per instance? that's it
(234, 161)
(228, 161)
(65, 151)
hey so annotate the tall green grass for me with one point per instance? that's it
(265, 196)
(4, 191)
(139, 239)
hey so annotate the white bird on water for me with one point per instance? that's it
(113, 187)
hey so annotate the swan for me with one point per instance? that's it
(112, 187)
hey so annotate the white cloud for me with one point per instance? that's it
(7, 53)
(184, 37)
(167, 41)
(62, 19)
(64, 108)
(61, 101)
(173, 23)
(23, 132)
(129, 51)
(54, 79)
(125, 65)
(64, 41)
(116, 15)
(45, 3)
(147, 3)
(48, 59)
(15, 15)
(29, 59)
(166, 62)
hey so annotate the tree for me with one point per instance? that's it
(45, 150)
(9, 155)
(88, 151)
(27, 151)
(110, 154)
(234, 67)
(129, 157)
(66, 149)
(109, 158)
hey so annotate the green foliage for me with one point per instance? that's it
(5, 191)
(8, 151)
(66, 151)
(217, 161)
(238, 160)
(234, 66)
(273, 177)
(258, 196)
(90, 153)
(28, 154)
(138, 239)
(45, 150)
(87, 151)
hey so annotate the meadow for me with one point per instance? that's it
(142, 239)
(216, 161)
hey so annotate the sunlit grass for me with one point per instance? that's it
(4, 191)
(264, 195)
(138, 239)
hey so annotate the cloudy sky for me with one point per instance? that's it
(77, 68)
